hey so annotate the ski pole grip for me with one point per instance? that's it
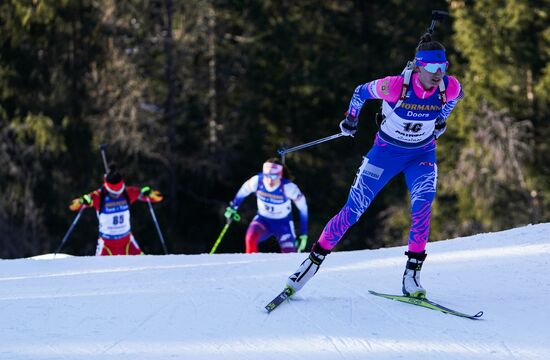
(439, 15)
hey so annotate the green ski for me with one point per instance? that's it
(423, 302)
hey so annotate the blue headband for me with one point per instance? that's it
(431, 56)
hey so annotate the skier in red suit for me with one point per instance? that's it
(112, 204)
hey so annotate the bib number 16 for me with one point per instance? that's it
(414, 127)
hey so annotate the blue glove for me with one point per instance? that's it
(301, 242)
(348, 126)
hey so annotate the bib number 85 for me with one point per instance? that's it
(118, 219)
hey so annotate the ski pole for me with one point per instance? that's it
(233, 216)
(282, 151)
(102, 149)
(77, 217)
(437, 15)
(224, 230)
(157, 226)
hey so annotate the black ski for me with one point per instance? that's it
(428, 304)
(285, 294)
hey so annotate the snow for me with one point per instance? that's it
(212, 306)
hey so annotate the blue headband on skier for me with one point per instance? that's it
(431, 56)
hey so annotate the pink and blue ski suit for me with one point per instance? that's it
(405, 143)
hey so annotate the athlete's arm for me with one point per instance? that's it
(134, 193)
(388, 88)
(454, 95)
(250, 186)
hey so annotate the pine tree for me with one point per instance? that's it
(498, 122)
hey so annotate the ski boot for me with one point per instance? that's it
(307, 269)
(411, 277)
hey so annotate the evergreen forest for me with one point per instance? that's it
(192, 96)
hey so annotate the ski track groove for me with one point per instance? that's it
(321, 330)
(371, 300)
(508, 350)
(268, 316)
(138, 326)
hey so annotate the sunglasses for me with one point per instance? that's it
(272, 176)
(433, 67)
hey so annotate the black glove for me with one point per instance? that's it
(440, 127)
(348, 126)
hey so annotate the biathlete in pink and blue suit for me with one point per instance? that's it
(415, 106)
(275, 194)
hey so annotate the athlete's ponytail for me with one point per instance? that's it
(427, 37)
